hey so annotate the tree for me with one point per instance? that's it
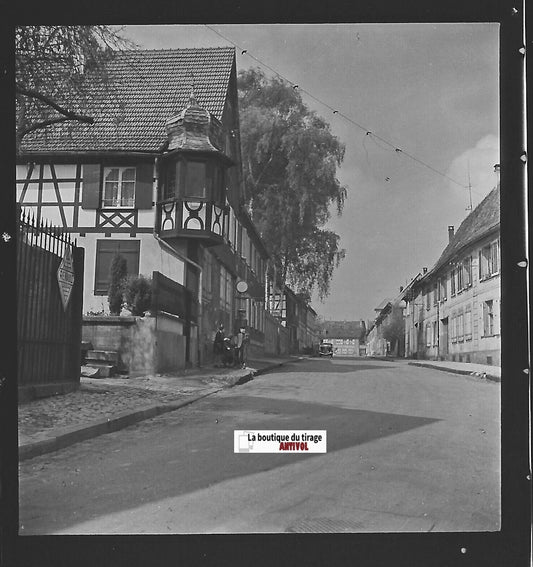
(138, 294)
(394, 330)
(290, 160)
(58, 70)
(118, 272)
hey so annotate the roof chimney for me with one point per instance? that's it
(425, 270)
(497, 172)
(401, 288)
(451, 232)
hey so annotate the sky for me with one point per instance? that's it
(429, 95)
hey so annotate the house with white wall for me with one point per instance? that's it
(157, 178)
(452, 312)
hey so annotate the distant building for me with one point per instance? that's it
(453, 310)
(386, 335)
(295, 315)
(347, 337)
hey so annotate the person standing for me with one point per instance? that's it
(241, 347)
(218, 345)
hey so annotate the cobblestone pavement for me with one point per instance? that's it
(101, 398)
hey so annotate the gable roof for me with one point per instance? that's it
(481, 221)
(147, 87)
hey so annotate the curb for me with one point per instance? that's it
(74, 434)
(457, 371)
(71, 435)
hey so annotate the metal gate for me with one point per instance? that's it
(49, 309)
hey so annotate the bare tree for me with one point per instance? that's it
(58, 70)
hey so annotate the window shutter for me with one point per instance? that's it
(144, 185)
(497, 330)
(90, 198)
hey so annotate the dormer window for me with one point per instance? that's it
(119, 187)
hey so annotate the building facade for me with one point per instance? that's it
(347, 337)
(157, 179)
(295, 315)
(453, 310)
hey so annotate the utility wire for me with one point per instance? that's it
(367, 131)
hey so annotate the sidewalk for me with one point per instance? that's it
(480, 370)
(103, 405)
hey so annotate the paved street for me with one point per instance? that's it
(409, 449)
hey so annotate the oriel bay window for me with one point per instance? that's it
(194, 179)
(192, 197)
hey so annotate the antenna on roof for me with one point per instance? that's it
(469, 208)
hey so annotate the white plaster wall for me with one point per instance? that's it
(155, 257)
(152, 257)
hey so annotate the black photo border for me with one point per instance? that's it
(511, 545)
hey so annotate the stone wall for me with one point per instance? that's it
(146, 345)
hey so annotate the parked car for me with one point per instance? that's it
(325, 349)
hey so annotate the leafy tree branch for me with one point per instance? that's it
(290, 166)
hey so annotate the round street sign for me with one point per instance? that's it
(242, 286)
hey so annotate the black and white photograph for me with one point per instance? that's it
(259, 279)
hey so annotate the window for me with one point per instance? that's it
(452, 282)
(105, 251)
(435, 334)
(460, 327)
(442, 289)
(207, 283)
(468, 324)
(231, 235)
(488, 318)
(435, 293)
(453, 328)
(217, 175)
(489, 260)
(460, 277)
(467, 270)
(195, 180)
(119, 187)
(428, 335)
(428, 299)
(494, 262)
(171, 178)
(226, 290)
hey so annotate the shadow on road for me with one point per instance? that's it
(321, 366)
(182, 453)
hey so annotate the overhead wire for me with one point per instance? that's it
(337, 112)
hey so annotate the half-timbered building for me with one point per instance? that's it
(157, 179)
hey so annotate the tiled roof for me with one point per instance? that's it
(482, 220)
(148, 88)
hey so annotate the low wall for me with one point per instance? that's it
(146, 345)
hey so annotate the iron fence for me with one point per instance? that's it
(49, 304)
